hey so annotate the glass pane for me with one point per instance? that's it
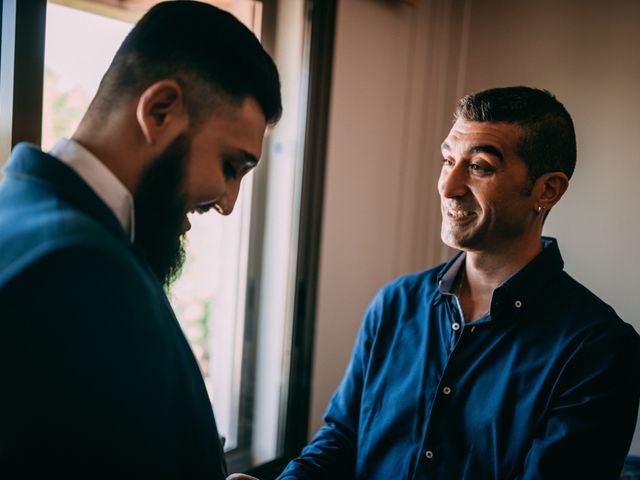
(209, 297)
(209, 300)
(74, 66)
(280, 235)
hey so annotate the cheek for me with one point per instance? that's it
(204, 177)
(507, 206)
(206, 188)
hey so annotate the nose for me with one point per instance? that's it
(227, 201)
(452, 181)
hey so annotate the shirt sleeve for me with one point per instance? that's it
(332, 452)
(592, 416)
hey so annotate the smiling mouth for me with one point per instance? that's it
(459, 215)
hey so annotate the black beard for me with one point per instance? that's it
(160, 206)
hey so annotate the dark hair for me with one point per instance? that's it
(214, 58)
(548, 143)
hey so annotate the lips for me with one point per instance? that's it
(457, 214)
(186, 224)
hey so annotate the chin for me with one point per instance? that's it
(459, 242)
(452, 239)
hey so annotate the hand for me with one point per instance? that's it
(240, 476)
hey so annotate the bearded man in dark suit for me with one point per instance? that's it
(98, 379)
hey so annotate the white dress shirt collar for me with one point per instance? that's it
(104, 183)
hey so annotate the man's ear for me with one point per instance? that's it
(161, 112)
(549, 188)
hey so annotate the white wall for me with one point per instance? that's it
(398, 71)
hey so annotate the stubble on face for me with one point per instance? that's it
(160, 208)
(484, 200)
(460, 222)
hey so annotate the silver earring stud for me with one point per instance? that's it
(218, 209)
(539, 209)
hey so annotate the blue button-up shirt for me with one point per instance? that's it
(545, 386)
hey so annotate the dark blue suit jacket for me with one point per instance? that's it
(97, 378)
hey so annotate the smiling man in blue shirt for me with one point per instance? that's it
(497, 364)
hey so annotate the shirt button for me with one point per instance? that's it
(518, 304)
(446, 390)
(455, 326)
(428, 454)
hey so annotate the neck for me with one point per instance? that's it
(485, 271)
(494, 267)
(119, 156)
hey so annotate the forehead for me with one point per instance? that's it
(465, 134)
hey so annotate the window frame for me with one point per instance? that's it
(21, 72)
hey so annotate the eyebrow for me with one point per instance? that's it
(489, 149)
(482, 148)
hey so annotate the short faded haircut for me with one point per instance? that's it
(548, 143)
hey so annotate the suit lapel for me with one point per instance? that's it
(28, 162)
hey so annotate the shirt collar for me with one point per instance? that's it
(103, 182)
(516, 293)
(448, 274)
